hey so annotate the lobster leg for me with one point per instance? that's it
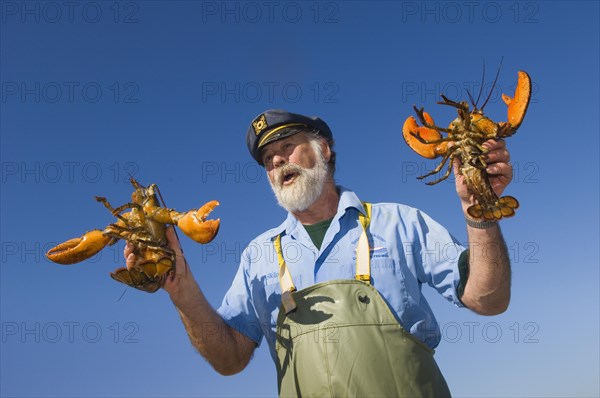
(117, 211)
(462, 108)
(427, 121)
(439, 166)
(126, 206)
(472, 142)
(448, 170)
(459, 105)
(434, 142)
(110, 208)
(133, 235)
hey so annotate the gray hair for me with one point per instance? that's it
(313, 136)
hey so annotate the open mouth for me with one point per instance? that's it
(289, 177)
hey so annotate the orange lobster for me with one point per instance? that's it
(464, 138)
(145, 227)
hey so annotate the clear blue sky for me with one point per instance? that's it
(95, 91)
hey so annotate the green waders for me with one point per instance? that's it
(339, 338)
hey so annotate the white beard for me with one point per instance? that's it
(307, 187)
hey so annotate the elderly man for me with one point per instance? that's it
(336, 288)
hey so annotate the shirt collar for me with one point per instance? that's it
(348, 199)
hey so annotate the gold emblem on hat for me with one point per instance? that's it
(259, 124)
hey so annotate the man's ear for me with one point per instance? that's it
(326, 150)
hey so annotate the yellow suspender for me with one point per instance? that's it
(363, 258)
(285, 279)
(363, 262)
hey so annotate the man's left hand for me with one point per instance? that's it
(499, 169)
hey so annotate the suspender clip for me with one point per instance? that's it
(288, 302)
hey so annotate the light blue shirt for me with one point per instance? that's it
(408, 249)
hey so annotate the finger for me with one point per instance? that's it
(456, 163)
(173, 240)
(492, 145)
(500, 169)
(175, 245)
(129, 255)
(128, 249)
(130, 261)
(498, 156)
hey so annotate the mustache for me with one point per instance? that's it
(287, 168)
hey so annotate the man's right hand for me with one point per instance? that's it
(228, 351)
(180, 279)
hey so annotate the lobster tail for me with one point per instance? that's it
(136, 279)
(504, 207)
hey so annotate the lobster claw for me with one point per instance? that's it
(195, 225)
(79, 249)
(517, 105)
(423, 140)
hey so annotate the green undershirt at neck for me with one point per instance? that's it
(317, 232)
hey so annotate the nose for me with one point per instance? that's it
(278, 161)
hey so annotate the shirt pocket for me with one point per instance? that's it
(387, 277)
(266, 298)
(411, 284)
(272, 302)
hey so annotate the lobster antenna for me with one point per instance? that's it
(165, 206)
(481, 87)
(471, 98)
(493, 85)
(160, 196)
(124, 291)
